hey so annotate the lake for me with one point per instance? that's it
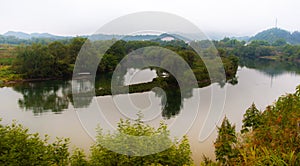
(45, 107)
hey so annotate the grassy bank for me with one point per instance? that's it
(8, 76)
(7, 56)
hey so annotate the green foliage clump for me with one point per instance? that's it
(252, 119)
(225, 142)
(271, 137)
(18, 147)
(47, 61)
(130, 147)
(278, 49)
(7, 54)
(7, 74)
(78, 158)
(57, 59)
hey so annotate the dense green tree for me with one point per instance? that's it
(279, 42)
(117, 49)
(47, 61)
(18, 147)
(252, 119)
(178, 153)
(133, 45)
(78, 158)
(189, 56)
(74, 48)
(108, 63)
(58, 50)
(224, 144)
(35, 62)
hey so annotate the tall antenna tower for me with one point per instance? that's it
(276, 23)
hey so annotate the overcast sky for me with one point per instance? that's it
(79, 17)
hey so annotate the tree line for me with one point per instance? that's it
(12, 40)
(56, 60)
(270, 137)
(280, 49)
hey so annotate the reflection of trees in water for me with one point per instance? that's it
(172, 97)
(43, 97)
(270, 67)
(165, 86)
(82, 100)
(54, 96)
(172, 100)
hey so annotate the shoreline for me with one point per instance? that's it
(20, 81)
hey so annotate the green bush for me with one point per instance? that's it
(178, 153)
(271, 137)
(18, 147)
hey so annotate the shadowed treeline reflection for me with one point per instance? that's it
(41, 97)
(55, 96)
(172, 100)
(270, 67)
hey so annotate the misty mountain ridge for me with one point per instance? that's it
(22, 35)
(269, 35)
(26, 36)
(274, 34)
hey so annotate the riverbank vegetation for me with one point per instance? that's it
(7, 56)
(278, 50)
(270, 137)
(56, 60)
(19, 147)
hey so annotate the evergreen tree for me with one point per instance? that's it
(252, 119)
(225, 141)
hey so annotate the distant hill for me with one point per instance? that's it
(188, 37)
(26, 36)
(12, 37)
(22, 35)
(136, 37)
(274, 34)
(121, 37)
(242, 38)
(270, 35)
(47, 35)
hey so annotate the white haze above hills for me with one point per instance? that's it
(270, 35)
(23, 35)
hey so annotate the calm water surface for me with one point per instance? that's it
(45, 107)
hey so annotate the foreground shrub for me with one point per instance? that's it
(18, 147)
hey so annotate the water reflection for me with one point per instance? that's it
(271, 68)
(173, 102)
(82, 92)
(55, 96)
(41, 97)
(249, 89)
